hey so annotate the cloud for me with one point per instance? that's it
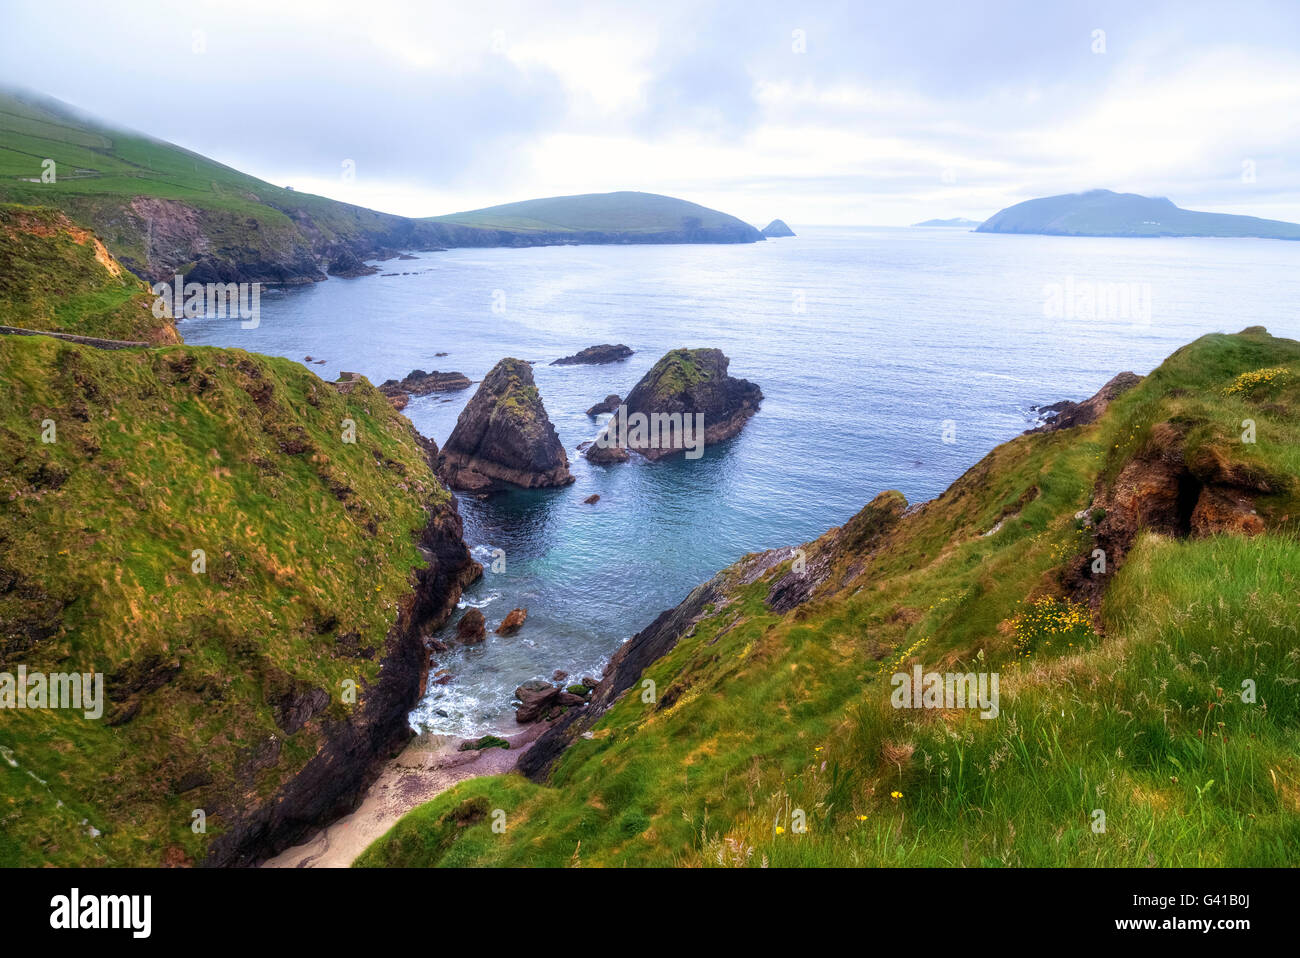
(885, 112)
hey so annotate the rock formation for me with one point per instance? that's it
(608, 404)
(1065, 414)
(420, 383)
(595, 356)
(777, 228)
(512, 622)
(685, 402)
(503, 435)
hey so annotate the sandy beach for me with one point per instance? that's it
(425, 768)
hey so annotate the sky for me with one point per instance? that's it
(871, 113)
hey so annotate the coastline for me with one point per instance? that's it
(427, 767)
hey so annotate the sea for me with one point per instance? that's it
(889, 358)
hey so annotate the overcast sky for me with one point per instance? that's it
(856, 113)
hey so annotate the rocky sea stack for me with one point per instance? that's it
(596, 355)
(684, 389)
(777, 229)
(503, 435)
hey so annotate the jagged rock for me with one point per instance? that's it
(536, 698)
(511, 623)
(661, 414)
(608, 404)
(420, 383)
(605, 455)
(503, 435)
(595, 356)
(1065, 414)
(776, 228)
(472, 628)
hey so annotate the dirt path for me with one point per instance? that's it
(425, 769)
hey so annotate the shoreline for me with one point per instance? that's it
(425, 768)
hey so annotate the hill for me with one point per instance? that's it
(956, 221)
(625, 216)
(777, 229)
(161, 209)
(194, 526)
(1103, 213)
(1147, 713)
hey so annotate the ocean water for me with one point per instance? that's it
(866, 343)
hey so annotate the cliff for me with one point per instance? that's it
(248, 558)
(759, 722)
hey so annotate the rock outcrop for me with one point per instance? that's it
(503, 435)
(1065, 414)
(596, 356)
(353, 753)
(686, 392)
(420, 383)
(472, 628)
(512, 622)
(776, 229)
(608, 404)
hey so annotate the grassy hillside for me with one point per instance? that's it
(161, 209)
(224, 683)
(1119, 692)
(1105, 213)
(626, 212)
(58, 277)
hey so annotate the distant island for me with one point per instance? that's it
(1105, 213)
(956, 222)
(622, 217)
(777, 229)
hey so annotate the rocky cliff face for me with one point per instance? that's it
(685, 383)
(503, 435)
(354, 749)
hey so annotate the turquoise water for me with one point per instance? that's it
(864, 341)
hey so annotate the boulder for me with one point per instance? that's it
(662, 414)
(595, 356)
(472, 628)
(511, 623)
(608, 404)
(503, 435)
(535, 699)
(591, 499)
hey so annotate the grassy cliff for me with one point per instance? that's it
(58, 277)
(1121, 692)
(161, 209)
(233, 544)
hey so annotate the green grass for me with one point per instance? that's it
(779, 718)
(101, 172)
(624, 212)
(310, 545)
(57, 277)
